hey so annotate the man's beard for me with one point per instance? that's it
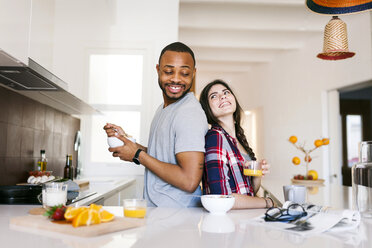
(173, 97)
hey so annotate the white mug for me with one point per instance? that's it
(295, 193)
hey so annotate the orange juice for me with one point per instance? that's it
(254, 173)
(135, 212)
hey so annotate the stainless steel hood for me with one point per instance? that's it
(33, 76)
(36, 82)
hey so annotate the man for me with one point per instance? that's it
(174, 158)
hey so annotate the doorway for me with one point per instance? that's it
(356, 126)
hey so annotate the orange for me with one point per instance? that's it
(106, 216)
(86, 218)
(313, 173)
(95, 207)
(325, 141)
(293, 139)
(318, 143)
(296, 160)
(72, 212)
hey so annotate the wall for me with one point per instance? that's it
(292, 92)
(88, 25)
(26, 127)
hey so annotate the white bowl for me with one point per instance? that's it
(114, 142)
(218, 204)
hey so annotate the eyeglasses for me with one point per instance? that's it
(292, 213)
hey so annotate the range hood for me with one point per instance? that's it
(36, 82)
(33, 76)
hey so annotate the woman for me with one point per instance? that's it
(227, 149)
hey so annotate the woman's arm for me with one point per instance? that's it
(246, 201)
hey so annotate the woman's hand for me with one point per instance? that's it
(265, 167)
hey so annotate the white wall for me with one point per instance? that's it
(290, 93)
(85, 25)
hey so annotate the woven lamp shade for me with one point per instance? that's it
(335, 45)
(338, 7)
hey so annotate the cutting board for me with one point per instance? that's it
(82, 183)
(43, 223)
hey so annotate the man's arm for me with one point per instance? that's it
(185, 175)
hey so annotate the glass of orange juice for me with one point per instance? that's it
(134, 208)
(252, 168)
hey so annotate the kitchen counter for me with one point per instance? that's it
(104, 188)
(190, 227)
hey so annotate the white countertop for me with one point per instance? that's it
(190, 227)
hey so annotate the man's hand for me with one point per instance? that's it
(112, 129)
(125, 152)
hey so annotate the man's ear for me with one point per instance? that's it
(157, 68)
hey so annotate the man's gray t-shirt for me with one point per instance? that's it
(179, 127)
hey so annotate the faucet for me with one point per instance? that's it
(77, 141)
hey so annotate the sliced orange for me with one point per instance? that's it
(72, 212)
(95, 207)
(86, 218)
(106, 216)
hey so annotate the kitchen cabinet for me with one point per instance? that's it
(15, 28)
(42, 33)
(117, 198)
(27, 30)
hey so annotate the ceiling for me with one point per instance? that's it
(234, 36)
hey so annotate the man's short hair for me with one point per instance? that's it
(178, 47)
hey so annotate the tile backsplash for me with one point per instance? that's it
(26, 127)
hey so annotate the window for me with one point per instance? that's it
(115, 88)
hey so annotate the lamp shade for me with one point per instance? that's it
(338, 7)
(335, 46)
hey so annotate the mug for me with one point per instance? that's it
(53, 194)
(295, 193)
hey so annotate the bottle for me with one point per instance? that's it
(67, 169)
(362, 180)
(72, 169)
(42, 162)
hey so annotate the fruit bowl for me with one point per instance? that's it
(307, 182)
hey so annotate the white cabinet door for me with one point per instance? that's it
(42, 33)
(15, 28)
(112, 200)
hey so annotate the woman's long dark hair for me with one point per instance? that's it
(237, 115)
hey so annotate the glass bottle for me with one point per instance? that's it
(67, 169)
(362, 180)
(72, 169)
(42, 162)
